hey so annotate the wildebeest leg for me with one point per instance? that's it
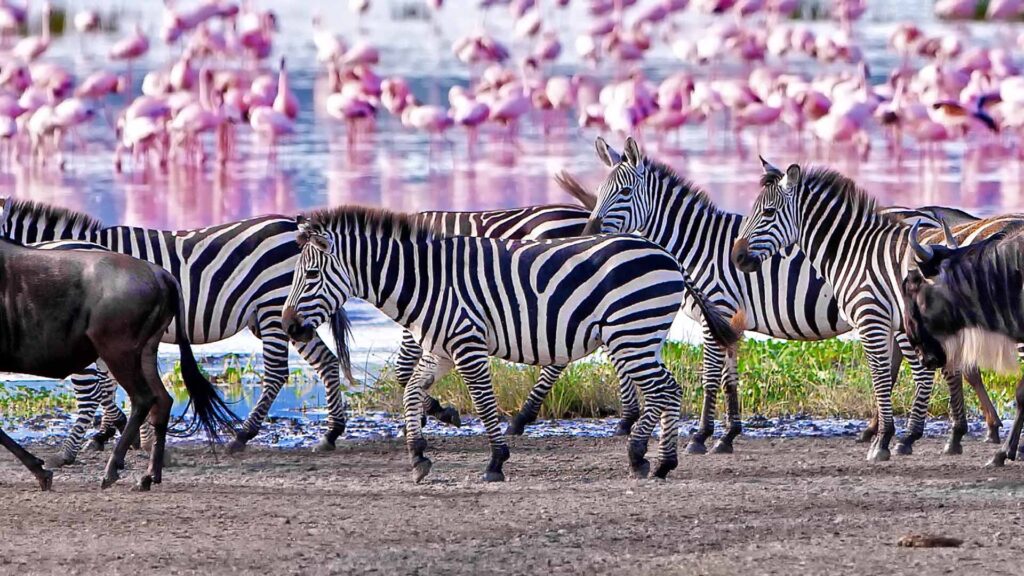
(126, 368)
(326, 365)
(992, 421)
(159, 414)
(733, 425)
(34, 465)
(957, 413)
(275, 374)
(531, 407)
(869, 432)
(1009, 447)
(714, 359)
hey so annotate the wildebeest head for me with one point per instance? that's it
(926, 308)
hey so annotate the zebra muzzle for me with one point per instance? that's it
(741, 256)
(296, 328)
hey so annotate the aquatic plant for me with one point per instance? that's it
(18, 400)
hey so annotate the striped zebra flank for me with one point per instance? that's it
(466, 299)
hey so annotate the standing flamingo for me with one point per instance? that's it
(130, 48)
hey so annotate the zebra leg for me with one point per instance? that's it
(471, 361)
(88, 389)
(714, 359)
(668, 458)
(869, 432)
(114, 419)
(531, 408)
(923, 381)
(957, 414)
(1009, 449)
(878, 349)
(326, 365)
(409, 354)
(992, 421)
(275, 374)
(641, 368)
(429, 369)
(630, 408)
(733, 425)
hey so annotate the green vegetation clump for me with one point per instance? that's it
(17, 401)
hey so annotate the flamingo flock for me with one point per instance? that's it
(753, 75)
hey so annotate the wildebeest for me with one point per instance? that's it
(60, 311)
(966, 306)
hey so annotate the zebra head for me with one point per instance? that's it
(771, 226)
(320, 283)
(622, 200)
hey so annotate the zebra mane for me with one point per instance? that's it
(368, 220)
(676, 184)
(833, 183)
(40, 213)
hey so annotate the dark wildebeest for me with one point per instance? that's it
(965, 306)
(60, 311)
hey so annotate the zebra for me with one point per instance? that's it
(784, 298)
(38, 223)
(863, 255)
(469, 298)
(233, 276)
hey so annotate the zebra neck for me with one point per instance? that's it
(690, 228)
(383, 271)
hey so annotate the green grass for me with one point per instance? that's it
(21, 401)
(827, 379)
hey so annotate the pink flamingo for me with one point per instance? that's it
(270, 125)
(130, 49)
(86, 21)
(197, 118)
(100, 84)
(352, 107)
(285, 101)
(469, 113)
(32, 47)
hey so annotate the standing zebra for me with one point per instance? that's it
(784, 298)
(468, 298)
(863, 254)
(232, 276)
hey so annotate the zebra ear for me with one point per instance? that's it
(768, 168)
(792, 176)
(632, 152)
(606, 153)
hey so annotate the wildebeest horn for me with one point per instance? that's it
(950, 238)
(923, 253)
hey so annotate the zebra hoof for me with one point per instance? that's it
(624, 427)
(420, 469)
(696, 447)
(953, 449)
(494, 476)
(665, 466)
(904, 449)
(998, 460)
(722, 447)
(324, 445)
(640, 470)
(144, 485)
(45, 478)
(878, 455)
(451, 417)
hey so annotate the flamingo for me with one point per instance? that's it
(285, 101)
(31, 47)
(130, 49)
(270, 125)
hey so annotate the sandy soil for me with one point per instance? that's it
(774, 507)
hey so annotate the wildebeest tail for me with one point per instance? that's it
(209, 411)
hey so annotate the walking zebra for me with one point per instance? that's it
(785, 298)
(233, 276)
(863, 255)
(468, 298)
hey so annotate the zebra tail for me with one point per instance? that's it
(721, 328)
(209, 410)
(576, 190)
(341, 327)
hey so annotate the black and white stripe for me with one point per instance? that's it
(862, 253)
(468, 298)
(233, 276)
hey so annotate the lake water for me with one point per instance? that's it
(397, 168)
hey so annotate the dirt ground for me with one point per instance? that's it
(774, 507)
